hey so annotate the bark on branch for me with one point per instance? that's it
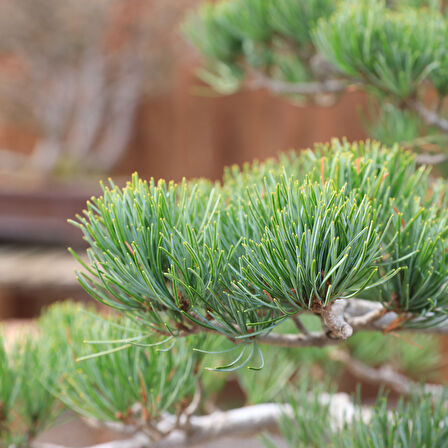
(430, 117)
(385, 375)
(339, 320)
(354, 314)
(243, 421)
(333, 318)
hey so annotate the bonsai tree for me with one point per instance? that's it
(273, 277)
(315, 50)
(286, 277)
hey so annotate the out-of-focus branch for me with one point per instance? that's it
(384, 375)
(247, 420)
(431, 159)
(430, 117)
(299, 325)
(334, 86)
(260, 81)
(339, 321)
(314, 339)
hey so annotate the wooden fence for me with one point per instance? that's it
(182, 133)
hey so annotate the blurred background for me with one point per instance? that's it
(92, 89)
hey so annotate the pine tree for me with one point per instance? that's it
(284, 276)
(283, 267)
(315, 50)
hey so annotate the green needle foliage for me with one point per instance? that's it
(421, 422)
(263, 33)
(394, 125)
(103, 367)
(115, 375)
(7, 390)
(241, 257)
(111, 378)
(110, 367)
(393, 50)
(316, 245)
(27, 407)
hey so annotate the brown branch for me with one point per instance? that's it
(384, 375)
(339, 320)
(299, 325)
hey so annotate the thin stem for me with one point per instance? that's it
(299, 325)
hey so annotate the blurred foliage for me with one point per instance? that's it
(393, 124)
(421, 422)
(27, 407)
(103, 367)
(393, 50)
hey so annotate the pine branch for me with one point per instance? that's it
(245, 420)
(358, 314)
(341, 319)
(431, 159)
(333, 319)
(333, 86)
(430, 117)
(384, 375)
(368, 317)
(260, 81)
(361, 314)
(314, 339)
(299, 325)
